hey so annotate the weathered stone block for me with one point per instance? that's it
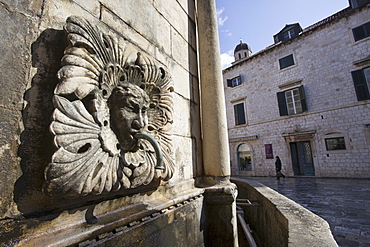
(140, 15)
(33, 7)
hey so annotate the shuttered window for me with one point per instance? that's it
(239, 114)
(236, 81)
(361, 81)
(362, 31)
(286, 61)
(292, 101)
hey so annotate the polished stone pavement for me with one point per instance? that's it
(343, 203)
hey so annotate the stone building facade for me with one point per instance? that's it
(305, 99)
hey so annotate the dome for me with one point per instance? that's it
(241, 46)
(242, 50)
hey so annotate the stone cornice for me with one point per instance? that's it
(244, 138)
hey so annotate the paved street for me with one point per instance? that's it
(344, 203)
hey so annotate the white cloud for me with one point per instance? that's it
(227, 58)
(219, 11)
(227, 32)
(221, 20)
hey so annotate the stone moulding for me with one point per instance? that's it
(108, 94)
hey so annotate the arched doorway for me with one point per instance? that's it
(244, 157)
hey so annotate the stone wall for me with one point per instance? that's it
(278, 221)
(33, 45)
(324, 58)
(34, 42)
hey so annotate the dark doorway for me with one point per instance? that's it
(302, 158)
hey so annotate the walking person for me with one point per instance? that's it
(278, 168)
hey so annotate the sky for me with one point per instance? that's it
(255, 22)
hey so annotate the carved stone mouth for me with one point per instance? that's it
(134, 132)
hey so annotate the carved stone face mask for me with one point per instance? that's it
(128, 106)
(112, 122)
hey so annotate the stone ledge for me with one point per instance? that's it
(97, 221)
(278, 218)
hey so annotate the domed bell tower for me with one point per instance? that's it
(242, 50)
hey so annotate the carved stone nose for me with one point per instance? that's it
(137, 125)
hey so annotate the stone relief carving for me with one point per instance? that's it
(112, 122)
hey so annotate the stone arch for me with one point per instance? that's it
(244, 157)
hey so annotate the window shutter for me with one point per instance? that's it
(367, 29)
(241, 113)
(362, 91)
(290, 60)
(282, 104)
(281, 36)
(360, 3)
(358, 33)
(297, 29)
(303, 98)
(362, 31)
(229, 83)
(236, 114)
(282, 63)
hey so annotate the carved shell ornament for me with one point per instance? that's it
(112, 122)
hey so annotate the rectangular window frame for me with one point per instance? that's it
(361, 32)
(332, 135)
(286, 62)
(234, 82)
(239, 114)
(335, 143)
(361, 82)
(289, 34)
(285, 106)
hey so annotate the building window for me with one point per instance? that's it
(361, 81)
(236, 81)
(292, 101)
(244, 157)
(289, 34)
(362, 31)
(239, 114)
(358, 3)
(336, 143)
(286, 61)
